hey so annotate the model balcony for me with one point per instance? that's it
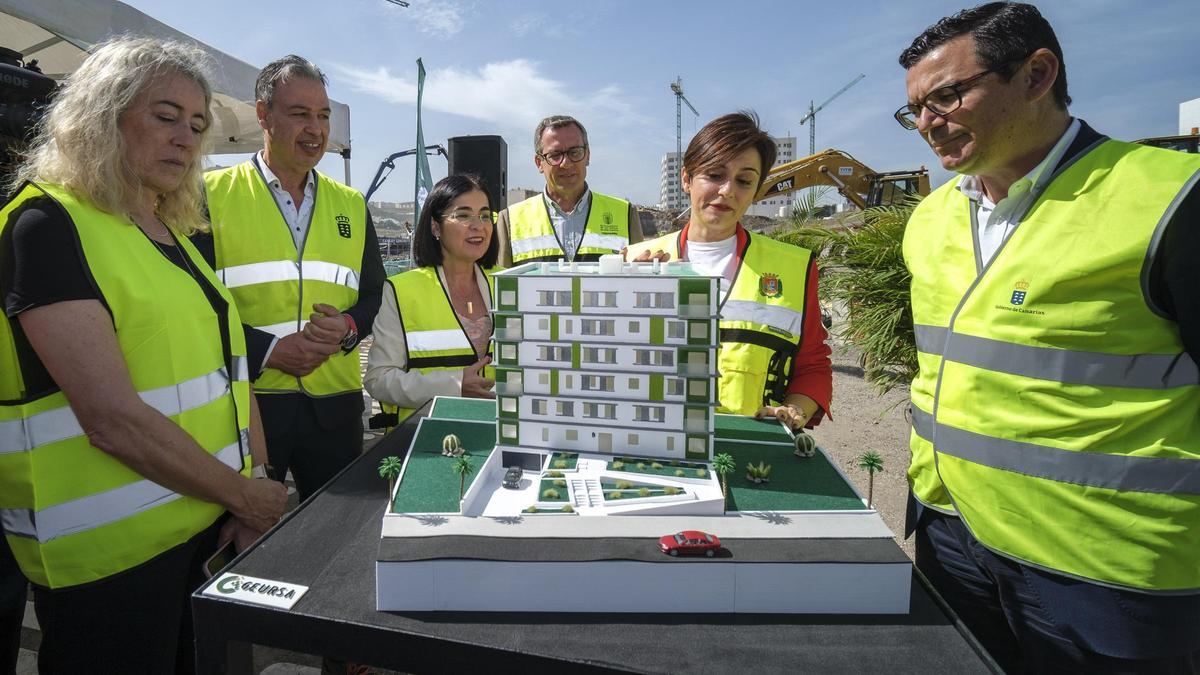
(510, 389)
(695, 311)
(692, 369)
(508, 333)
(696, 426)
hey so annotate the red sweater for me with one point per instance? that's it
(812, 371)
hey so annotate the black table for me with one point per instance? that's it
(330, 544)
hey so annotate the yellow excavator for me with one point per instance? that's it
(857, 182)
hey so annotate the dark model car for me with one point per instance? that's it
(690, 542)
(512, 477)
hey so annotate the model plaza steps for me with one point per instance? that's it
(586, 493)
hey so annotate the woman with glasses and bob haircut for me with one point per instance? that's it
(773, 358)
(433, 330)
(127, 424)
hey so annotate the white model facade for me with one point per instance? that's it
(619, 363)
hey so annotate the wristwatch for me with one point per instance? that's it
(260, 471)
(351, 338)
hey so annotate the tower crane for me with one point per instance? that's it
(811, 117)
(677, 88)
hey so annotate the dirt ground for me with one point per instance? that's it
(863, 420)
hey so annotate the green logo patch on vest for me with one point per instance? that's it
(343, 225)
(769, 286)
(1018, 294)
(606, 223)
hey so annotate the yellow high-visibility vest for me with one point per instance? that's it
(762, 320)
(1056, 410)
(72, 513)
(274, 284)
(432, 332)
(532, 234)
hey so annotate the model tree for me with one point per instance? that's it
(462, 467)
(389, 468)
(451, 446)
(870, 461)
(724, 465)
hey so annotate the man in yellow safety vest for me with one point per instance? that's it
(1055, 477)
(568, 220)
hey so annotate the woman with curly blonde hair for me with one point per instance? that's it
(126, 417)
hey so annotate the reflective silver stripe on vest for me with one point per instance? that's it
(92, 511)
(776, 316)
(1143, 371)
(436, 340)
(23, 435)
(282, 330)
(610, 242)
(922, 422)
(542, 243)
(1125, 473)
(930, 339)
(241, 369)
(288, 270)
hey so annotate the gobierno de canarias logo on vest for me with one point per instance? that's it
(343, 225)
(1016, 301)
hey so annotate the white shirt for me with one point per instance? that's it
(713, 258)
(997, 220)
(388, 379)
(569, 225)
(296, 217)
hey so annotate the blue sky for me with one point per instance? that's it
(498, 67)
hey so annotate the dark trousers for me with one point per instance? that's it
(1033, 621)
(137, 621)
(13, 592)
(314, 438)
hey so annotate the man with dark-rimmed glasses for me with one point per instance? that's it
(568, 220)
(1055, 478)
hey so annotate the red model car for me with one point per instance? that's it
(690, 542)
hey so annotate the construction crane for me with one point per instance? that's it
(811, 117)
(677, 88)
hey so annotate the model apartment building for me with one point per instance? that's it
(621, 362)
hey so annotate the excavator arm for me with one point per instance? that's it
(852, 178)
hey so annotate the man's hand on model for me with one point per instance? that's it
(792, 416)
(474, 384)
(646, 256)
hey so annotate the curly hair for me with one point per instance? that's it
(79, 144)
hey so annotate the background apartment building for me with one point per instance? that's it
(672, 198)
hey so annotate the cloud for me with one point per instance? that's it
(508, 94)
(529, 23)
(441, 18)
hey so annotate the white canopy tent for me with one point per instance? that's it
(58, 33)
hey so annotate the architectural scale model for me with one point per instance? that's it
(606, 391)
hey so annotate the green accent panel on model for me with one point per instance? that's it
(702, 338)
(656, 330)
(507, 415)
(469, 409)
(576, 295)
(656, 387)
(554, 382)
(503, 284)
(696, 398)
(576, 350)
(553, 326)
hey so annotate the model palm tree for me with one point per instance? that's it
(462, 467)
(389, 468)
(870, 461)
(724, 465)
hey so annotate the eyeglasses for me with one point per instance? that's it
(575, 154)
(465, 218)
(941, 101)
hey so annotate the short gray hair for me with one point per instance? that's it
(555, 122)
(280, 71)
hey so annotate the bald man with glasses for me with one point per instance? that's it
(568, 220)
